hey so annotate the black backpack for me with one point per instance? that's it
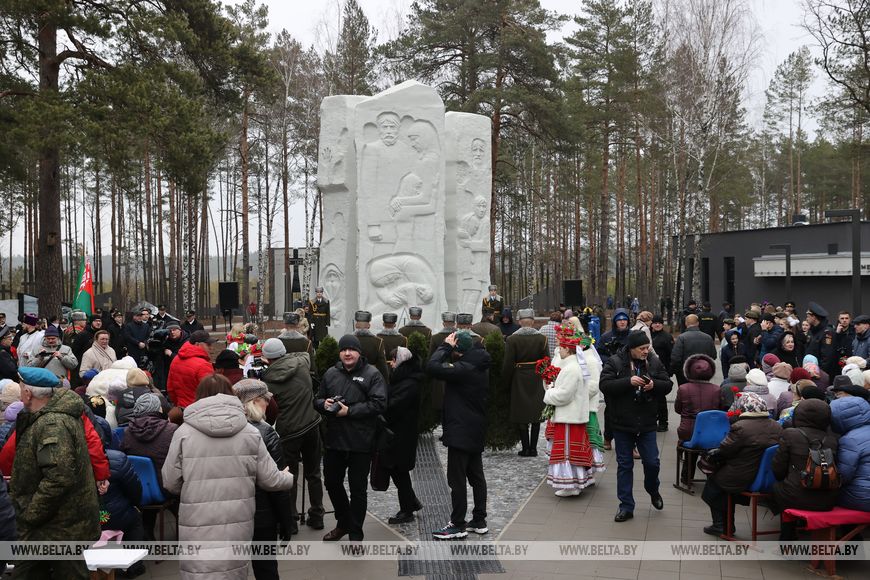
(820, 472)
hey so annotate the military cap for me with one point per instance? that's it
(415, 311)
(861, 319)
(751, 314)
(38, 377)
(817, 310)
(390, 317)
(291, 318)
(448, 317)
(78, 315)
(525, 313)
(464, 318)
(362, 316)
(493, 287)
(789, 303)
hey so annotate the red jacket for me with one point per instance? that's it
(99, 463)
(189, 366)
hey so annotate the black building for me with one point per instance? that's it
(740, 266)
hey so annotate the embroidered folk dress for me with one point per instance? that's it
(573, 459)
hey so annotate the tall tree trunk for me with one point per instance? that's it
(243, 154)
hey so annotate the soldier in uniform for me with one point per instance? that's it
(523, 349)
(493, 302)
(463, 322)
(486, 326)
(821, 338)
(72, 332)
(294, 340)
(320, 320)
(52, 488)
(415, 325)
(391, 337)
(372, 346)
(448, 319)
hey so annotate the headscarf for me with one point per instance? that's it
(750, 403)
(402, 354)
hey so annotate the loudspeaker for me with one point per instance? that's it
(572, 292)
(228, 295)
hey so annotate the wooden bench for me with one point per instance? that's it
(823, 526)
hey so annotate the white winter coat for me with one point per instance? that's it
(215, 462)
(569, 394)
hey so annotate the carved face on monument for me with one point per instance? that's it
(388, 128)
(479, 207)
(478, 148)
(422, 137)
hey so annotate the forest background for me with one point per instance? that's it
(179, 137)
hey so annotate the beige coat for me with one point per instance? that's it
(97, 358)
(215, 461)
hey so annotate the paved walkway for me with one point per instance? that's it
(586, 517)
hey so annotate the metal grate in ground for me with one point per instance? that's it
(430, 484)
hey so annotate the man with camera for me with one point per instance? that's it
(53, 356)
(351, 396)
(631, 380)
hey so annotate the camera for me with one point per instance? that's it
(335, 407)
(257, 369)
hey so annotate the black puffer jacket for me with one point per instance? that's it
(402, 413)
(273, 508)
(365, 393)
(692, 341)
(630, 412)
(8, 532)
(8, 366)
(466, 387)
(124, 493)
(813, 417)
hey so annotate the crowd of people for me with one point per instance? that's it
(233, 423)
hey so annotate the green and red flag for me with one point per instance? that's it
(84, 300)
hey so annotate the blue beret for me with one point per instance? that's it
(89, 374)
(38, 377)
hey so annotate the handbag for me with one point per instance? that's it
(710, 461)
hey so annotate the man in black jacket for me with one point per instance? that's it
(464, 368)
(691, 341)
(631, 380)
(136, 335)
(662, 344)
(351, 395)
(821, 339)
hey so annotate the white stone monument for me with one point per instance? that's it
(405, 205)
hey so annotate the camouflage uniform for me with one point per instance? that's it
(52, 487)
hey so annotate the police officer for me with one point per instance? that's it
(415, 324)
(493, 302)
(372, 346)
(821, 338)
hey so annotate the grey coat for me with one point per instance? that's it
(215, 462)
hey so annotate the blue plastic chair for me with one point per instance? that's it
(711, 427)
(153, 497)
(117, 437)
(760, 488)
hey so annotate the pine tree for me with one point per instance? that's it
(350, 67)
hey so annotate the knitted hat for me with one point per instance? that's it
(756, 377)
(12, 411)
(250, 389)
(699, 367)
(146, 404)
(201, 336)
(782, 370)
(137, 378)
(227, 359)
(798, 374)
(349, 342)
(770, 359)
(658, 318)
(854, 374)
(749, 402)
(464, 342)
(620, 316)
(52, 331)
(10, 394)
(737, 372)
(809, 358)
(273, 349)
(636, 338)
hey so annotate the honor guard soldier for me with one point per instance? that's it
(415, 324)
(391, 337)
(493, 302)
(448, 319)
(523, 349)
(319, 315)
(372, 346)
(486, 326)
(463, 322)
(294, 340)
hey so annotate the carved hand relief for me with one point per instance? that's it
(331, 159)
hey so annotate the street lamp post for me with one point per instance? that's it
(855, 214)
(787, 248)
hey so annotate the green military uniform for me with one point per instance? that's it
(320, 317)
(463, 322)
(523, 349)
(484, 328)
(52, 487)
(373, 350)
(414, 325)
(435, 341)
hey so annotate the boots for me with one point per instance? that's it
(524, 441)
(533, 439)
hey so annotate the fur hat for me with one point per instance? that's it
(699, 367)
(464, 318)
(448, 317)
(525, 313)
(362, 316)
(415, 311)
(390, 317)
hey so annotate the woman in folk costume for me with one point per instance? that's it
(573, 459)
